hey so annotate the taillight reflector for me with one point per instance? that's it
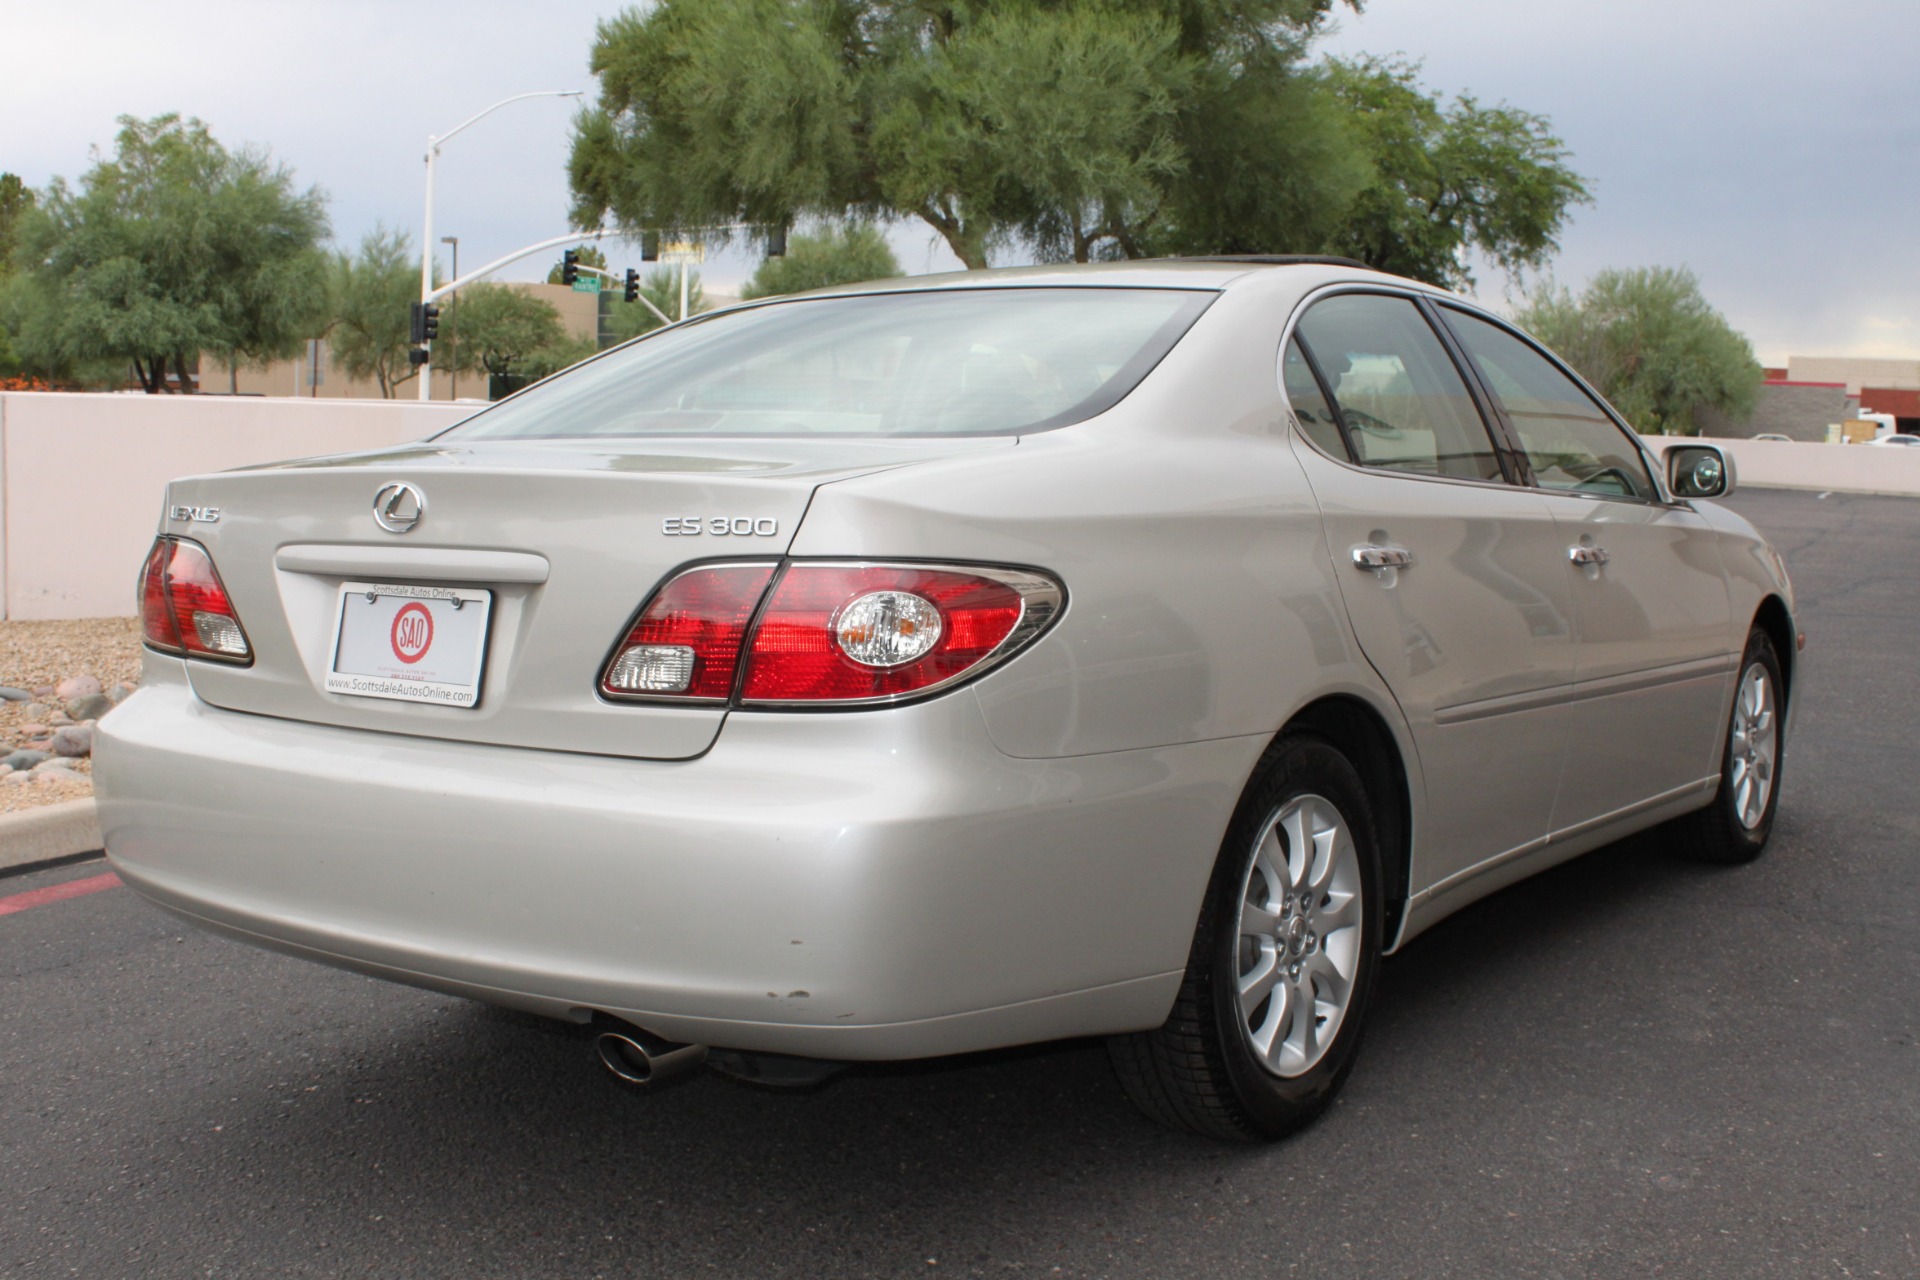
(184, 606)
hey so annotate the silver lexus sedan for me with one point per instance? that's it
(1140, 651)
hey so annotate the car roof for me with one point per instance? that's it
(1163, 273)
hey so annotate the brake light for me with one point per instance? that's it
(184, 607)
(686, 643)
(827, 634)
(853, 633)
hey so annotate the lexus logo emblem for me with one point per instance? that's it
(398, 507)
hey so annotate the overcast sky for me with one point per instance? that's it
(1772, 146)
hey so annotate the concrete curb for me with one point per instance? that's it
(44, 834)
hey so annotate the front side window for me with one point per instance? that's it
(1569, 439)
(1403, 402)
(934, 362)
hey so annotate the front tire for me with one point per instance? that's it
(1269, 1016)
(1735, 827)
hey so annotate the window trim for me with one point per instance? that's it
(1320, 381)
(1496, 435)
(1655, 472)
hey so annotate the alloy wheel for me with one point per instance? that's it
(1300, 934)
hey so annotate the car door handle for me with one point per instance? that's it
(1588, 555)
(1374, 558)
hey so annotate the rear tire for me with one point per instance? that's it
(1735, 827)
(1268, 1019)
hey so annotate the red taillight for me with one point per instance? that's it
(156, 619)
(828, 633)
(877, 633)
(184, 607)
(686, 643)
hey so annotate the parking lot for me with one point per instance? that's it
(1630, 1066)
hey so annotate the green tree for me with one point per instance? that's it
(370, 296)
(846, 254)
(551, 359)
(1073, 129)
(171, 247)
(1650, 342)
(1445, 180)
(499, 329)
(1064, 126)
(661, 287)
(589, 257)
(15, 199)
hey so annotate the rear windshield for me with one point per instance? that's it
(951, 362)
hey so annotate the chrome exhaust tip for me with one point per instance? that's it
(642, 1059)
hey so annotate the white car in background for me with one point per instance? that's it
(1139, 650)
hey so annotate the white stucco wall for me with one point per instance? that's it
(82, 477)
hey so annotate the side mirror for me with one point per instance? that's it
(1699, 471)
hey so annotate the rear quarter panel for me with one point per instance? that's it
(1201, 602)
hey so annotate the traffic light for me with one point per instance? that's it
(569, 266)
(426, 322)
(649, 246)
(777, 242)
(632, 292)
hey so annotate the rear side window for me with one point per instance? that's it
(936, 362)
(1403, 402)
(1309, 403)
(1570, 441)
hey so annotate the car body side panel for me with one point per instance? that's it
(1654, 653)
(1474, 639)
(1754, 572)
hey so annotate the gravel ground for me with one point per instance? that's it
(34, 655)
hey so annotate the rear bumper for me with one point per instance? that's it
(875, 885)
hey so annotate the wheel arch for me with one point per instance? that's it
(1362, 734)
(1772, 617)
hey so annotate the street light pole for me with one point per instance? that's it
(453, 323)
(434, 142)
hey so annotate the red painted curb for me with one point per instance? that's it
(58, 893)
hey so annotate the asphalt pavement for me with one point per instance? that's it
(1630, 1066)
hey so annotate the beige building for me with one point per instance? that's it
(1855, 372)
(313, 376)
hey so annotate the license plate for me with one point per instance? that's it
(415, 644)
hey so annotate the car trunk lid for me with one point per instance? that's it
(566, 537)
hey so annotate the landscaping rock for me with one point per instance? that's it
(38, 710)
(16, 779)
(35, 730)
(59, 718)
(73, 740)
(42, 692)
(120, 691)
(91, 707)
(10, 694)
(24, 759)
(76, 687)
